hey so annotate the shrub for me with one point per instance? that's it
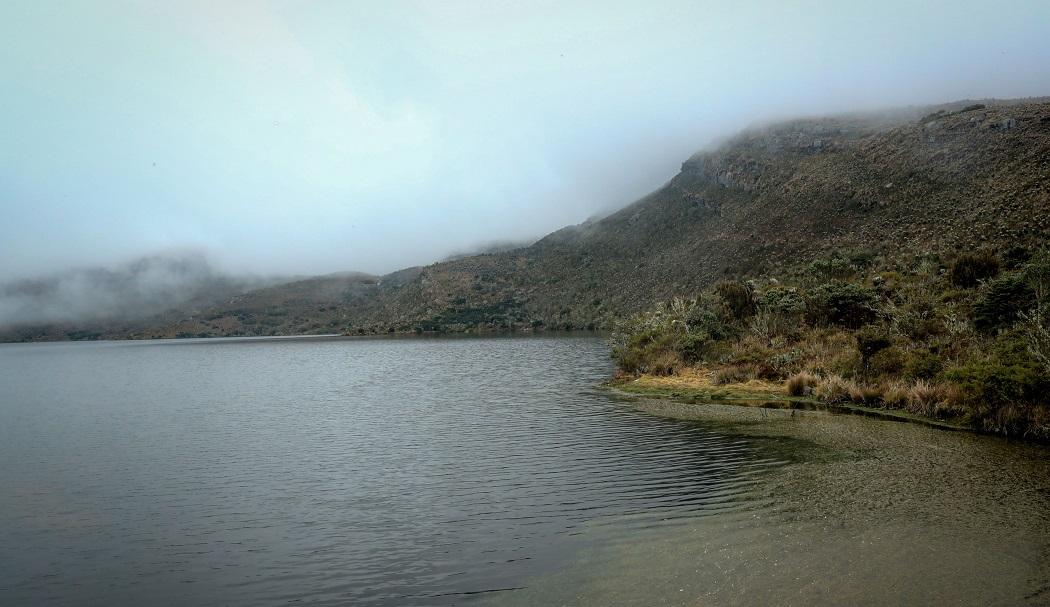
(1037, 274)
(992, 384)
(922, 365)
(783, 300)
(785, 362)
(840, 266)
(1002, 304)
(700, 318)
(780, 311)
(637, 352)
(693, 346)
(970, 268)
(1036, 331)
(845, 304)
(870, 341)
(738, 297)
(888, 361)
(664, 363)
(1016, 256)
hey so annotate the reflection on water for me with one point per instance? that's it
(451, 471)
(395, 472)
(866, 513)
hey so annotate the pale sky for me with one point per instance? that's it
(310, 137)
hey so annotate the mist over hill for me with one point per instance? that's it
(938, 179)
(96, 296)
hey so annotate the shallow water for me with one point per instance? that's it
(452, 471)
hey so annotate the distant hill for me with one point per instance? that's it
(947, 178)
(90, 302)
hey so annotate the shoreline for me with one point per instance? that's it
(708, 400)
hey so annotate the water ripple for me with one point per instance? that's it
(331, 471)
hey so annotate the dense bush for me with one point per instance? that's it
(1016, 257)
(783, 300)
(995, 384)
(678, 333)
(922, 365)
(841, 265)
(970, 268)
(832, 268)
(889, 361)
(738, 297)
(1005, 299)
(870, 341)
(780, 311)
(843, 304)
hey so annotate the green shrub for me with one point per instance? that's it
(1003, 302)
(889, 361)
(970, 268)
(991, 384)
(700, 318)
(1016, 256)
(844, 304)
(1037, 275)
(832, 268)
(645, 351)
(922, 365)
(870, 341)
(780, 312)
(782, 300)
(1036, 332)
(692, 347)
(738, 297)
(1005, 398)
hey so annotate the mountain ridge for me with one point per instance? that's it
(945, 178)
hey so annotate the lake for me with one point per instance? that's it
(443, 471)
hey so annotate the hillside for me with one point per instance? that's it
(945, 179)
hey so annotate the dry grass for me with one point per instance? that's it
(834, 389)
(702, 379)
(735, 374)
(924, 398)
(666, 363)
(801, 384)
(837, 389)
(895, 395)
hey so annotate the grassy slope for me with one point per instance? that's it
(961, 339)
(761, 201)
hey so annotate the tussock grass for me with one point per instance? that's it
(802, 384)
(967, 347)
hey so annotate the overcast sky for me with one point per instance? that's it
(313, 137)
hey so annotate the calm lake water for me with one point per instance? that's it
(460, 471)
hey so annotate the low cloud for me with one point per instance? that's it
(145, 286)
